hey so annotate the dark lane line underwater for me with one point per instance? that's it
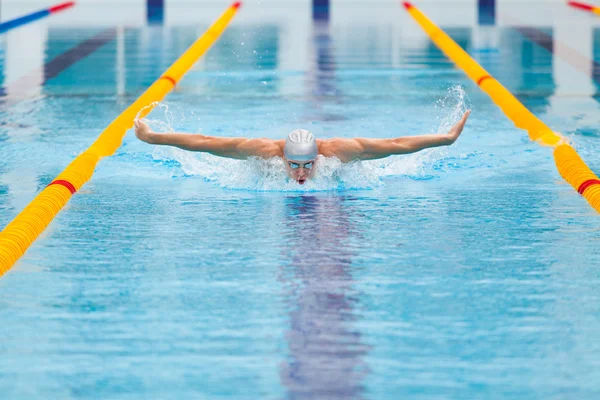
(326, 350)
(547, 42)
(58, 64)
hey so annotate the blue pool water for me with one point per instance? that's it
(463, 272)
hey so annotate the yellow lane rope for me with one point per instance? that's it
(570, 166)
(18, 235)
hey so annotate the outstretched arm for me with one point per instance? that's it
(370, 149)
(240, 148)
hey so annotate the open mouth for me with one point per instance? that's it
(301, 181)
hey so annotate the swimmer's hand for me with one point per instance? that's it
(143, 131)
(457, 129)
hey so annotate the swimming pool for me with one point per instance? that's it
(463, 272)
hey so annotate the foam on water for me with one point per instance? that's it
(332, 174)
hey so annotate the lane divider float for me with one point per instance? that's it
(585, 7)
(570, 166)
(14, 23)
(18, 235)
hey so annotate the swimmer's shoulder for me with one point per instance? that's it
(268, 148)
(338, 147)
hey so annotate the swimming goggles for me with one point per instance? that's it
(307, 165)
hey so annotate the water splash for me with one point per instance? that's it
(269, 175)
(451, 107)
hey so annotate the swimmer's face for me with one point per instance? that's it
(300, 171)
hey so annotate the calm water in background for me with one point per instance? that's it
(463, 272)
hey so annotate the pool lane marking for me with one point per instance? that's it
(565, 52)
(82, 50)
(579, 61)
(569, 164)
(58, 64)
(18, 235)
(15, 23)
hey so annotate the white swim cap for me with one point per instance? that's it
(300, 145)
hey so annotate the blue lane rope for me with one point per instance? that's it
(14, 23)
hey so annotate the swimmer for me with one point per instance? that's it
(300, 149)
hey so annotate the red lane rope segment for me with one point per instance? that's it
(61, 6)
(66, 184)
(583, 6)
(483, 78)
(169, 79)
(587, 184)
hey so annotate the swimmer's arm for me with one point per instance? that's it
(370, 149)
(238, 148)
